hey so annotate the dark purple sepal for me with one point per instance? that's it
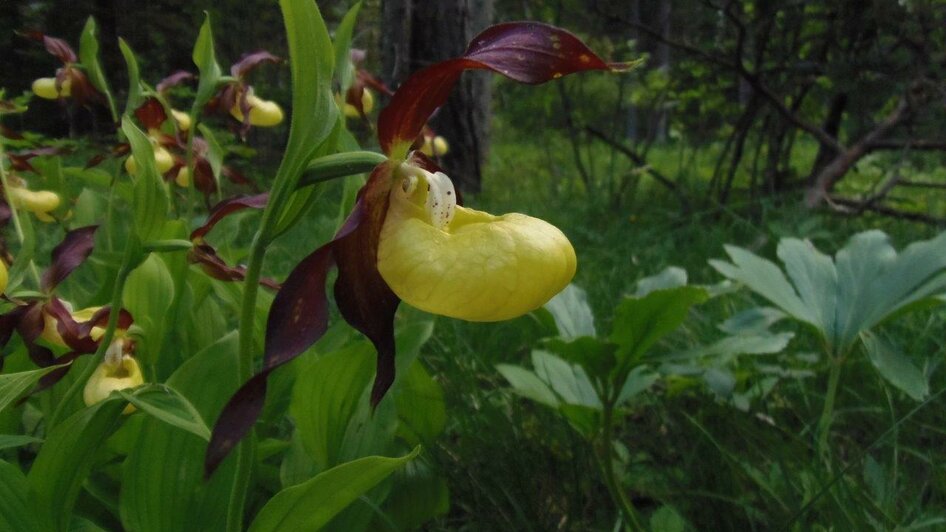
(68, 255)
(228, 207)
(55, 46)
(173, 80)
(528, 52)
(250, 61)
(151, 114)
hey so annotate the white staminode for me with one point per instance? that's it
(113, 355)
(441, 199)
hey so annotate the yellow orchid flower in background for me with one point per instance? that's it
(46, 88)
(39, 202)
(163, 159)
(118, 371)
(4, 276)
(435, 146)
(263, 113)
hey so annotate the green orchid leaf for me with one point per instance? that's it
(572, 313)
(13, 385)
(343, 36)
(9, 441)
(148, 294)
(135, 96)
(895, 367)
(421, 409)
(163, 486)
(89, 57)
(205, 59)
(15, 511)
(314, 113)
(167, 404)
(151, 200)
(312, 504)
(65, 460)
(419, 495)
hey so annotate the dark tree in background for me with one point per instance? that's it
(416, 34)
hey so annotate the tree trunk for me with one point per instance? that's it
(417, 34)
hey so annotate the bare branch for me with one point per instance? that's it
(849, 206)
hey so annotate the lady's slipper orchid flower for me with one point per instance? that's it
(240, 100)
(49, 318)
(434, 146)
(262, 113)
(407, 238)
(70, 81)
(4, 276)
(118, 371)
(40, 202)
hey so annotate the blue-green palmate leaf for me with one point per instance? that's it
(866, 283)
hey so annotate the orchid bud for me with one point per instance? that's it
(46, 88)
(117, 372)
(40, 202)
(183, 119)
(263, 113)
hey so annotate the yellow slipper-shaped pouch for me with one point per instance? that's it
(464, 263)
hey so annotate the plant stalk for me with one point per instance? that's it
(14, 213)
(605, 459)
(827, 413)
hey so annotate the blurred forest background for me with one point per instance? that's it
(748, 121)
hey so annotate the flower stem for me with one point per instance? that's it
(605, 458)
(827, 413)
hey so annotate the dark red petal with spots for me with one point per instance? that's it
(528, 52)
(68, 255)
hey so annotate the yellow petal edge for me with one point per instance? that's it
(478, 267)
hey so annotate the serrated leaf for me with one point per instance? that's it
(528, 385)
(569, 381)
(572, 313)
(895, 367)
(640, 322)
(669, 277)
(312, 504)
(752, 321)
(815, 280)
(764, 278)
(638, 380)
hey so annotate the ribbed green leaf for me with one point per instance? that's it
(65, 460)
(135, 97)
(205, 59)
(12, 385)
(895, 367)
(15, 511)
(150, 203)
(343, 35)
(163, 487)
(167, 404)
(89, 57)
(312, 504)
